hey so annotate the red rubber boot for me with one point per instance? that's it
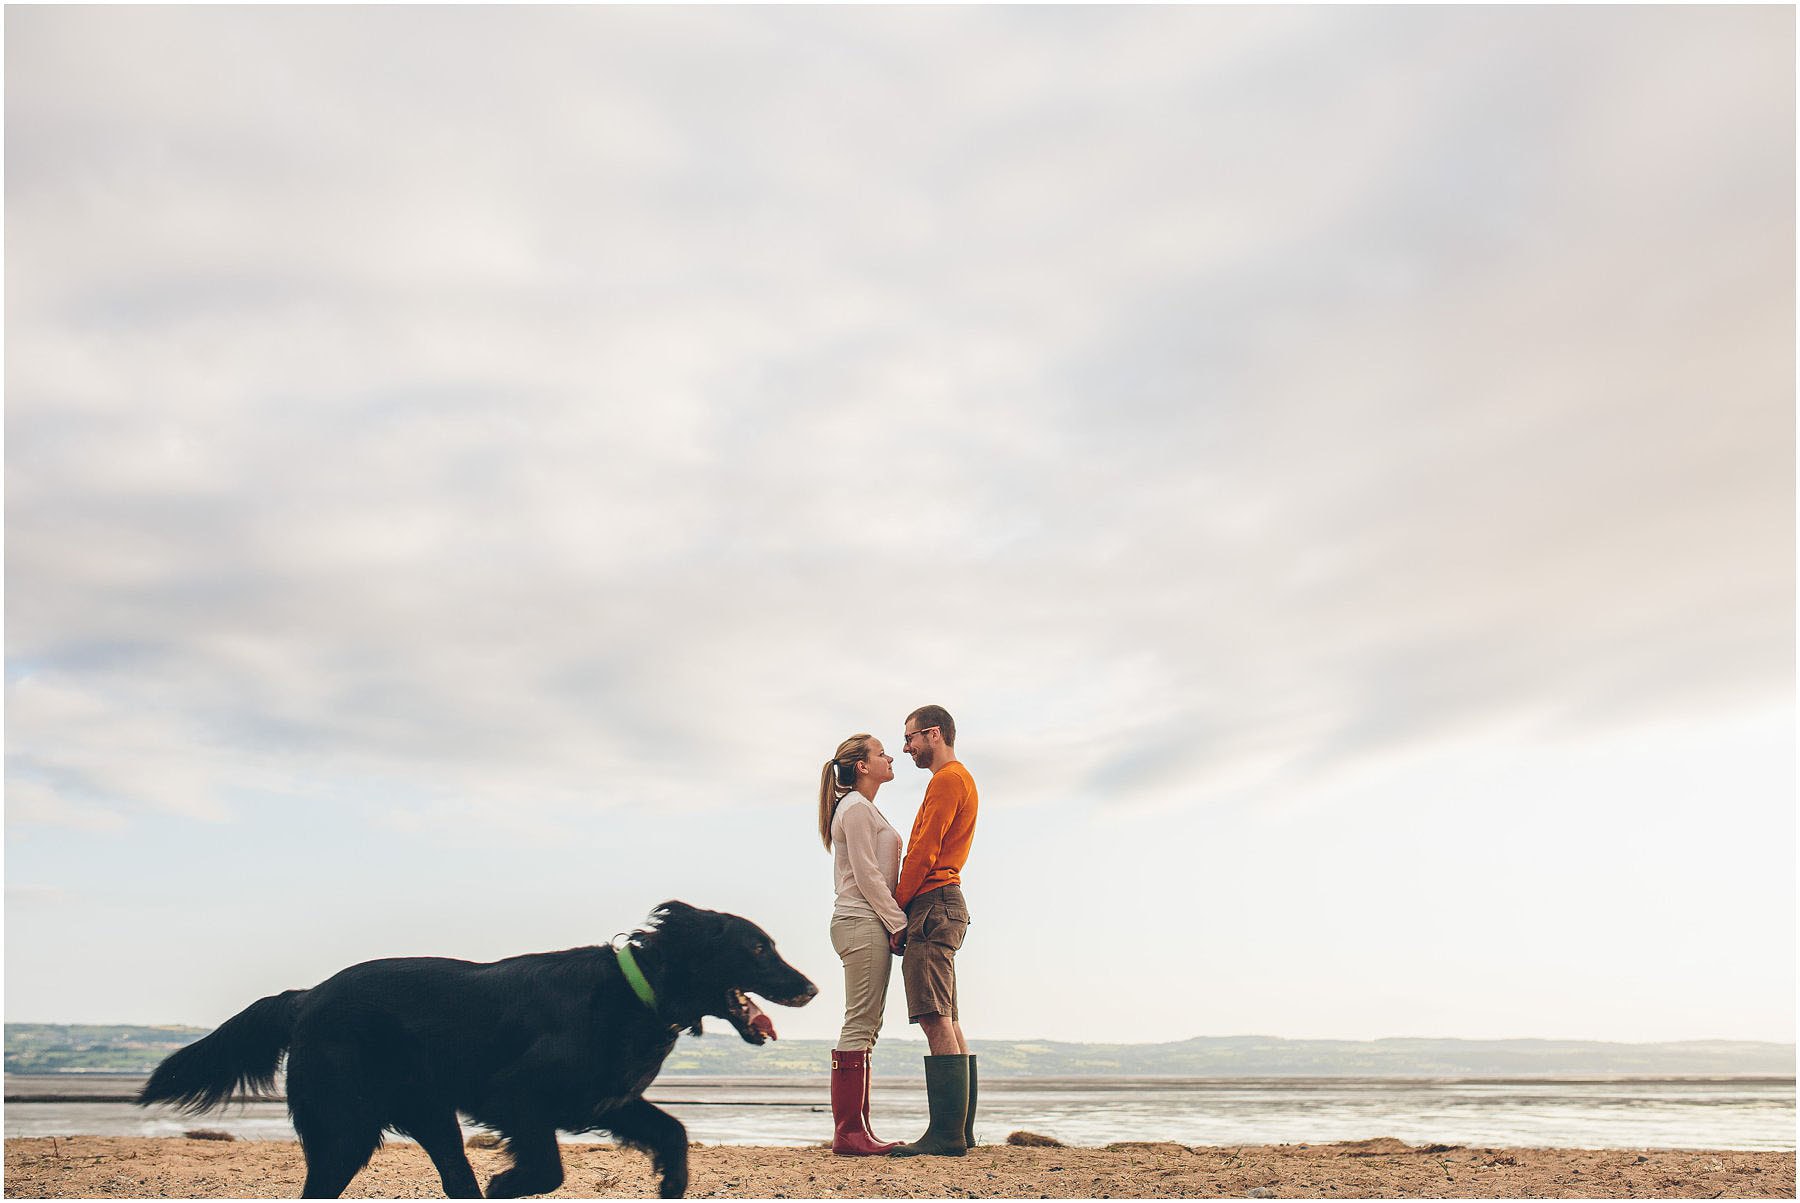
(849, 1098)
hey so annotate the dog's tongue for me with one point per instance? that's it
(760, 1022)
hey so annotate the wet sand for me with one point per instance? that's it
(143, 1167)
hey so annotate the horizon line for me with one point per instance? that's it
(1789, 1044)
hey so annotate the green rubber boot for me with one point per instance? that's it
(947, 1094)
(969, 1121)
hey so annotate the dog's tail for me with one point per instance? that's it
(241, 1053)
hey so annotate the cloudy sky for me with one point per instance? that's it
(466, 468)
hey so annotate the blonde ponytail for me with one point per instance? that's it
(831, 780)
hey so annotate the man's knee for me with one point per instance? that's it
(940, 1034)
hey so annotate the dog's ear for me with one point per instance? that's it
(674, 911)
(691, 924)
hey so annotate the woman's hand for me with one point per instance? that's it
(897, 941)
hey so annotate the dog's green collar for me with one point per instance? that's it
(640, 985)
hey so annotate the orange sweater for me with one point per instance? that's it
(941, 834)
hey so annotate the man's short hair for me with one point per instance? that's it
(935, 716)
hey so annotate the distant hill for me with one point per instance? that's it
(51, 1048)
(1270, 1057)
(55, 1048)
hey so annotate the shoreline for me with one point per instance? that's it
(1710, 1113)
(181, 1167)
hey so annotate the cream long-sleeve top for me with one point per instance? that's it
(865, 850)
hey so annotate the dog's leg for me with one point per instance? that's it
(537, 1163)
(441, 1138)
(657, 1133)
(333, 1158)
(337, 1136)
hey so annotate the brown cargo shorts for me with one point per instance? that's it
(935, 924)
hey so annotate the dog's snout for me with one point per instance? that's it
(805, 994)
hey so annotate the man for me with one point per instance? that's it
(930, 892)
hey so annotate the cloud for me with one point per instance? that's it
(35, 802)
(25, 897)
(1191, 401)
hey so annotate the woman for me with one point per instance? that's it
(865, 850)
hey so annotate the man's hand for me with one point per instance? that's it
(897, 941)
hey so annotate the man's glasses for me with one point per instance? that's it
(910, 734)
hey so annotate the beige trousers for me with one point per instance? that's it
(862, 944)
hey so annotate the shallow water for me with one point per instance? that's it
(1696, 1113)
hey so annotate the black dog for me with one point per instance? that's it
(526, 1046)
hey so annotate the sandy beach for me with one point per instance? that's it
(141, 1167)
